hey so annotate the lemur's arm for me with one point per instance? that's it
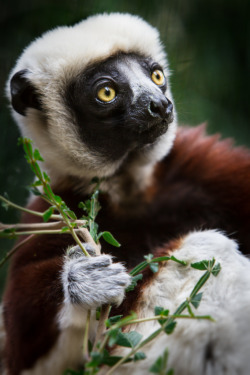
(47, 297)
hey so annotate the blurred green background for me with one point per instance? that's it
(209, 53)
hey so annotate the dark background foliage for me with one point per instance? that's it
(208, 48)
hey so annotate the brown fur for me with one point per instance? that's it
(204, 183)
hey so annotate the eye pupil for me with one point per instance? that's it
(107, 91)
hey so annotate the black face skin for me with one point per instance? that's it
(113, 128)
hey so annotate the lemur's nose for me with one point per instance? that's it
(160, 107)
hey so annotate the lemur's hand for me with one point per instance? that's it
(93, 281)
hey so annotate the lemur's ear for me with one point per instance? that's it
(23, 94)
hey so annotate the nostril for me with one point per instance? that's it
(160, 107)
(169, 107)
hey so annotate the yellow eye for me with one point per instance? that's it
(106, 94)
(158, 77)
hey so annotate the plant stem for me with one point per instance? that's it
(178, 312)
(45, 231)
(42, 226)
(101, 326)
(20, 208)
(10, 253)
(86, 338)
(76, 238)
(175, 316)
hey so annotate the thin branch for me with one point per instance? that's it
(10, 253)
(157, 317)
(37, 232)
(101, 325)
(86, 236)
(20, 208)
(49, 231)
(41, 226)
(86, 338)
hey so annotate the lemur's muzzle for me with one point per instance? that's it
(161, 107)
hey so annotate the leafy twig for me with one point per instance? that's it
(105, 309)
(169, 325)
(11, 252)
(20, 208)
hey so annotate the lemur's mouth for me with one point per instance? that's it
(148, 134)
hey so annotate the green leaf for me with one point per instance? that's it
(160, 365)
(156, 367)
(154, 267)
(216, 269)
(27, 147)
(195, 300)
(5, 205)
(200, 284)
(178, 260)
(90, 346)
(161, 259)
(8, 233)
(122, 340)
(203, 265)
(129, 339)
(20, 141)
(111, 360)
(170, 327)
(163, 312)
(34, 170)
(48, 191)
(36, 183)
(37, 155)
(113, 335)
(35, 191)
(87, 206)
(58, 199)
(9, 230)
(37, 170)
(134, 281)
(109, 238)
(48, 213)
(64, 229)
(46, 177)
(148, 257)
(96, 359)
(127, 319)
(158, 310)
(98, 313)
(71, 214)
(82, 205)
(139, 356)
(112, 320)
(93, 229)
(138, 268)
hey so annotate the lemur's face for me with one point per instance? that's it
(120, 104)
(95, 97)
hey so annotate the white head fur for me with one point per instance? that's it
(57, 56)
